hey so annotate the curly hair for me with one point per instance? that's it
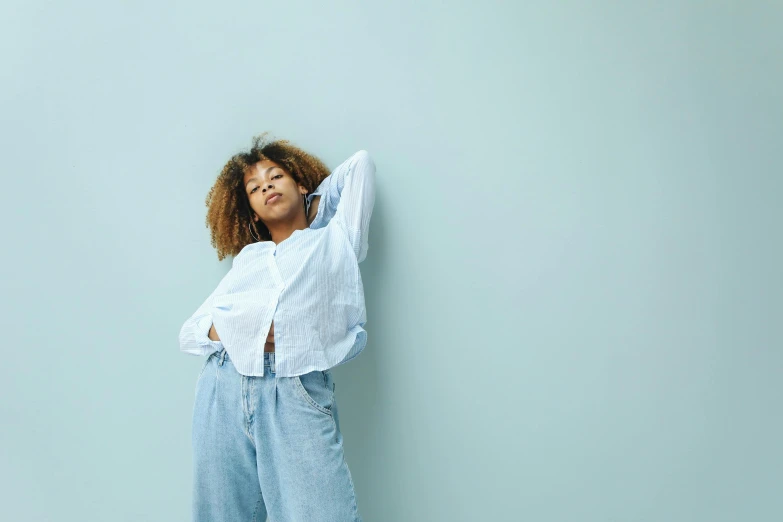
(228, 209)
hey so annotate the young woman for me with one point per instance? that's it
(266, 436)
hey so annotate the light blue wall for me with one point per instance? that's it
(574, 277)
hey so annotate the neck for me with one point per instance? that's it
(282, 231)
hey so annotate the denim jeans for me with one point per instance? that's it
(268, 445)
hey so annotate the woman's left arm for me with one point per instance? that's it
(348, 200)
(357, 200)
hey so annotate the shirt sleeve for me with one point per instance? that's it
(194, 334)
(347, 200)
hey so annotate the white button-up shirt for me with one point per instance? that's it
(309, 285)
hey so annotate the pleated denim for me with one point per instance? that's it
(268, 445)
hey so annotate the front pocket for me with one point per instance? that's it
(315, 390)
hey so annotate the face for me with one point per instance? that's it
(266, 178)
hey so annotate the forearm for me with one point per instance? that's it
(193, 337)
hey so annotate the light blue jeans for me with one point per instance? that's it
(268, 445)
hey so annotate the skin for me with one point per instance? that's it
(281, 217)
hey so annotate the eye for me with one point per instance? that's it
(253, 190)
(279, 175)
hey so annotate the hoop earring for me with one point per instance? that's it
(306, 205)
(251, 232)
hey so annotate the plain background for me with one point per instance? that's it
(574, 276)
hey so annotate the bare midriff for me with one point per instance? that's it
(269, 346)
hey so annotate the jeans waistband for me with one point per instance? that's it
(269, 358)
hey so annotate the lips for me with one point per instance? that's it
(272, 198)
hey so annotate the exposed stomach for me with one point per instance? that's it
(269, 346)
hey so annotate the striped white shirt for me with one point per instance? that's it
(309, 285)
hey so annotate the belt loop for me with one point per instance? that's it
(223, 357)
(272, 361)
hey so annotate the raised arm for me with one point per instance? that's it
(347, 198)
